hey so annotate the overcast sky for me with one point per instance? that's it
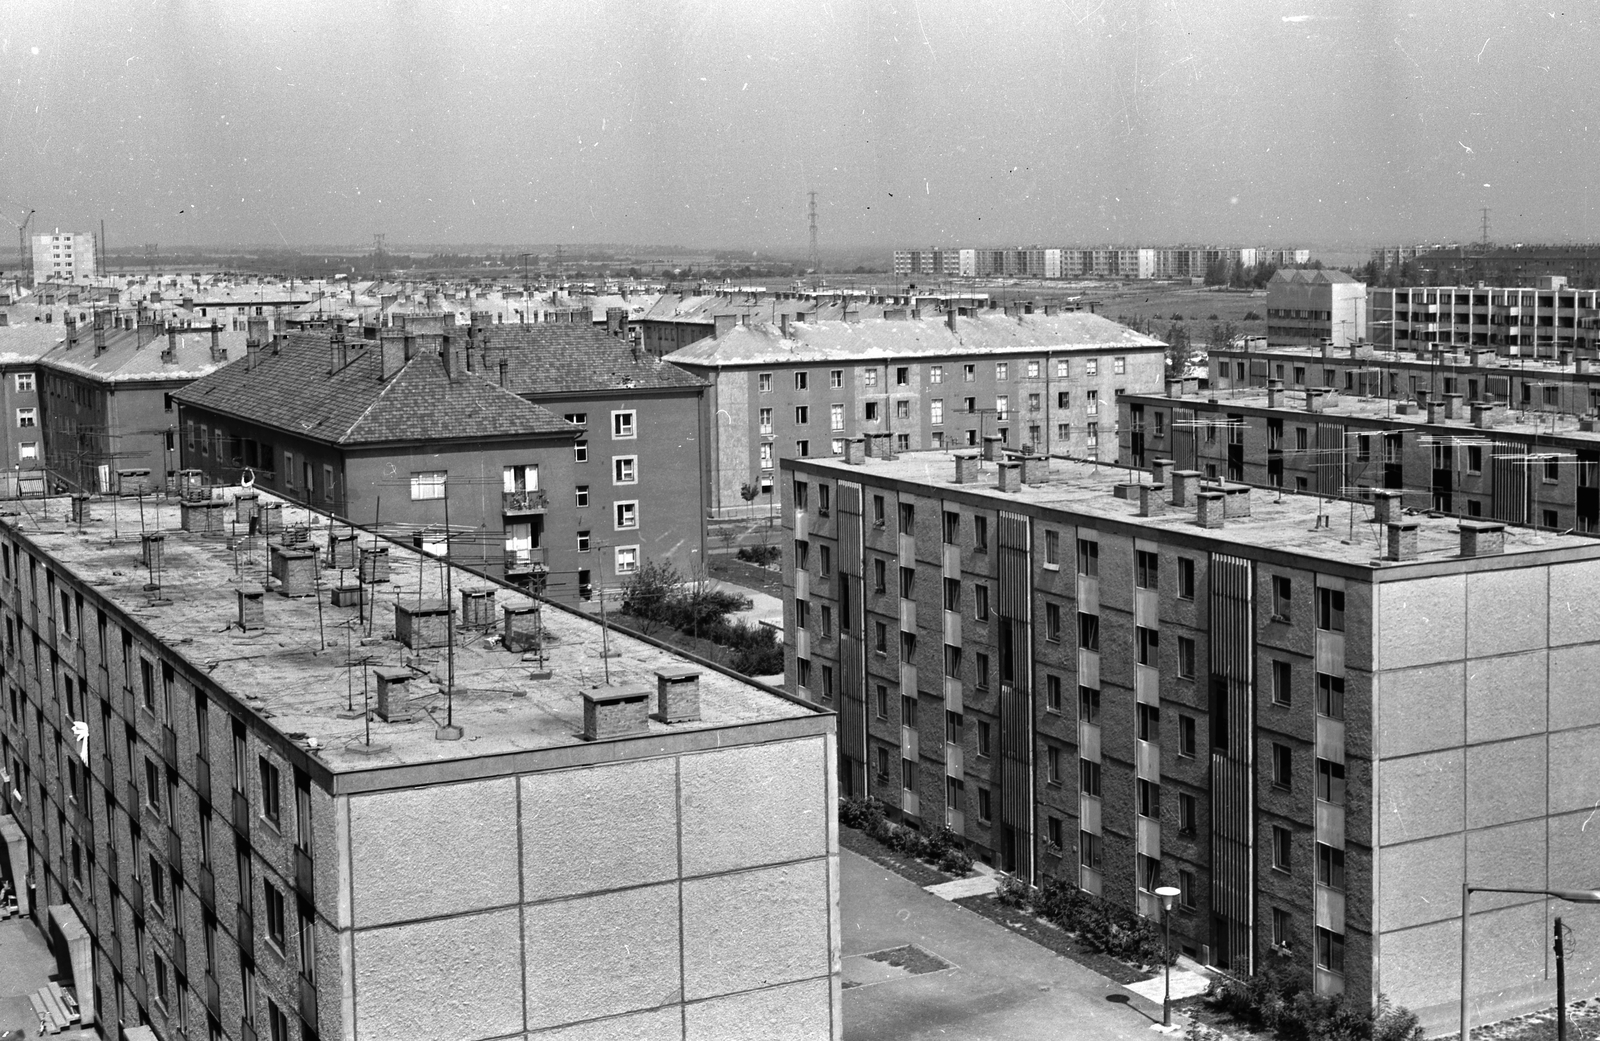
(705, 122)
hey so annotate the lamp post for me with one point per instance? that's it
(1167, 894)
(1576, 896)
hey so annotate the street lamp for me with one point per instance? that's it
(1167, 894)
(1576, 896)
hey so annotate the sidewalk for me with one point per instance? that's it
(1000, 986)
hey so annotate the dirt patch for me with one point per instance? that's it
(744, 573)
(894, 963)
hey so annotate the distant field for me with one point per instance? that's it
(1152, 309)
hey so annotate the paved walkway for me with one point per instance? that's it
(1188, 979)
(961, 888)
(25, 966)
(1002, 987)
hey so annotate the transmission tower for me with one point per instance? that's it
(1485, 242)
(816, 261)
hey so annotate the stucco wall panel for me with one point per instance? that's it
(601, 828)
(1421, 797)
(1509, 855)
(1505, 782)
(771, 796)
(1574, 771)
(1506, 696)
(471, 987)
(467, 831)
(1506, 610)
(1421, 622)
(602, 955)
(1420, 709)
(1574, 609)
(776, 1014)
(1572, 677)
(754, 929)
(662, 1024)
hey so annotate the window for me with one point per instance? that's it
(869, 412)
(835, 378)
(1002, 403)
(1149, 645)
(622, 426)
(802, 380)
(1089, 777)
(980, 534)
(1119, 366)
(880, 637)
(1149, 869)
(581, 496)
(24, 383)
(902, 409)
(952, 527)
(880, 573)
(802, 448)
(908, 583)
(161, 979)
(764, 418)
(158, 884)
(27, 417)
(1147, 570)
(1149, 799)
(583, 541)
(1052, 622)
(908, 519)
(271, 807)
(28, 450)
(764, 382)
(936, 374)
(869, 378)
(577, 419)
(1330, 609)
(1282, 679)
(580, 451)
(1280, 928)
(802, 414)
(908, 711)
(627, 515)
(1088, 558)
(1330, 781)
(969, 406)
(983, 738)
(969, 373)
(1052, 699)
(624, 469)
(1089, 704)
(627, 560)
(980, 601)
(908, 647)
(1089, 850)
(981, 668)
(835, 417)
(277, 1022)
(1002, 370)
(1330, 950)
(1330, 696)
(879, 517)
(1281, 591)
(984, 811)
(1053, 832)
(1053, 763)
(1088, 632)
(1330, 866)
(1186, 657)
(1280, 848)
(1052, 549)
(1282, 766)
(275, 914)
(952, 661)
(902, 376)
(882, 702)
(1186, 738)
(1188, 810)
(426, 485)
(1149, 722)
(1092, 402)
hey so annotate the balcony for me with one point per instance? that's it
(213, 996)
(174, 852)
(132, 797)
(247, 1029)
(308, 1002)
(206, 886)
(523, 562)
(111, 865)
(245, 929)
(521, 504)
(241, 813)
(180, 953)
(141, 993)
(136, 894)
(169, 747)
(202, 780)
(302, 874)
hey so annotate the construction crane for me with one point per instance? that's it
(24, 248)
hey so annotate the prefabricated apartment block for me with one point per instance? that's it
(249, 797)
(1129, 680)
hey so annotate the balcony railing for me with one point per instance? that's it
(202, 780)
(213, 996)
(524, 561)
(524, 502)
(206, 884)
(245, 928)
(302, 874)
(241, 813)
(169, 746)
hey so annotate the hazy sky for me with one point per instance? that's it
(705, 122)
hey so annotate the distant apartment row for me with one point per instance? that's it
(1089, 261)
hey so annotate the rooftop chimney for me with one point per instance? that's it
(1482, 538)
(1386, 506)
(1236, 502)
(1152, 500)
(610, 712)
(677, 695)
(1453, 407)
(391, 352)
(950, 317)
(503, 365)
(855, 451)
(1402, 540)
(880, 446)
(1274, 393)
(1034, 469)
(394, 693)
(1483, 415)
(171, 352)
(616, 320)
(1211, 509)
(852, 315)
(1175, 388)
(783, 325)
(992, 444)
(1010, 477)
(1313, 399)
(1161, 470)
(1185, 485)
(967, 466)
(252, 607)
(722, 325)
(422, 623)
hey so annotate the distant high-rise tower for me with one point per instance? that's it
(816, 259)
(63, 257)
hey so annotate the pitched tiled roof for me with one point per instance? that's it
(990, 332)
(294, 391)
(548, 358)
(125, 360)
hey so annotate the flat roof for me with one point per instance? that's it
(1497, 364)
(1530, 422)
(1281, 521)
(306, 670)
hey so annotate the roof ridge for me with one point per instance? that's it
(388, 384)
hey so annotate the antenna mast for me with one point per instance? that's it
(816, 262)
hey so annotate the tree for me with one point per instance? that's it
(1222, 333)
(1180, 352)
(648, 595)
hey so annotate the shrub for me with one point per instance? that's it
(863, 814)
(955, 861)
(759, 555)
(1012, 892)
(1252, 316)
